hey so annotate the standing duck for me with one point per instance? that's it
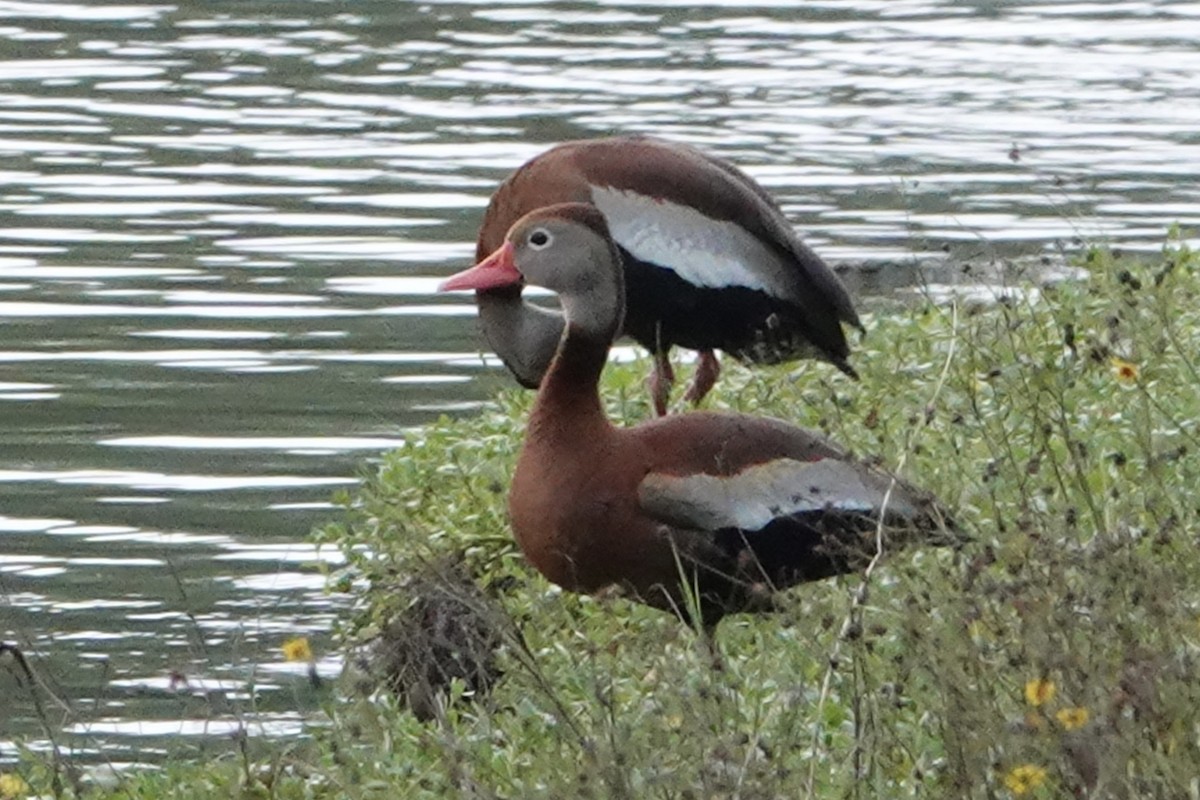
(710, 262)
(730, 504)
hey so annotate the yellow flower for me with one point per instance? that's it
(1039, 691)
(1072, 718)
(1125, 371)
(12, 786)
(297, 649)
(1024, 779)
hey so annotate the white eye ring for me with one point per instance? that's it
(540, 239)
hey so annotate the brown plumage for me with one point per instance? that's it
(710, 262)
(729, 503)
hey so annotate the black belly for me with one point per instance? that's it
(664, 310)
(744, 567)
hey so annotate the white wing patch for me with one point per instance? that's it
(756, 496)
(703, 251)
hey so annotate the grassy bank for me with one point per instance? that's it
(1052, 656)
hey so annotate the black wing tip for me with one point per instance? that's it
(844, 366)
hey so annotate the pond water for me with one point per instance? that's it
(223, 223)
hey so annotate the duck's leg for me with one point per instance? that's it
(662, 378)
(708, 369)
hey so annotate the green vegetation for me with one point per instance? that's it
(1052, 656)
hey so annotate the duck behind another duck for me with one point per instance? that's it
(730, 504)
(710, 262)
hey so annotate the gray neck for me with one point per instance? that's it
(525, 336)
(598, 312)
(595, 302)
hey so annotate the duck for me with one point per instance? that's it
(710, 262)
(702, 513)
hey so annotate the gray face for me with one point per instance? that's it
(561, 255)
(578, 264)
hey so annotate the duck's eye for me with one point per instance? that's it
(540, 239)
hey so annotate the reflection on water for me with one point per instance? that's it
(224, 221)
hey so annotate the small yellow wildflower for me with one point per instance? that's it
(12, 786)
(1125, 371)
(1024, 779)
(1072, 718)
(297, 649)
(1039, 691)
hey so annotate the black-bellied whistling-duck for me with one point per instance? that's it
(711, 263)
(728, 503)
